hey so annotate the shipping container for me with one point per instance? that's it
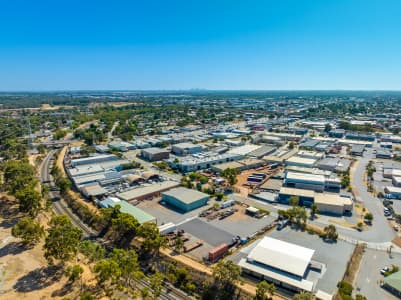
(254, 179)
(218, 252)
(259, 174)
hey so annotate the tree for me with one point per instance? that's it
(179, 244)
(29, 200)
(231, 175)
(19, 175)
(294, 201)
(345, 289)
(107, 269)
(156, 284)
(291, 145)
(74, 272)
(124, 227)
(63, 184)
(92, 250)
(327, 127)
(368, 218)
(226, 273)
(330, 232)
(62, 239)
(87, 296)
(304, 296)
(28, 230)
(264, 290)
(153, 241)
(127, 261)
(359, 226)
(313, 210)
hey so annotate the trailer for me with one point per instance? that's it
(254, 179)
(167, 228)
(192, 246)
(259, 174)
(218, 252)
(228, 203)
(252, 211)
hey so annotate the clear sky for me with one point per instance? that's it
(170, 44)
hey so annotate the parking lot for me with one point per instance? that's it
(368, 279)
(334, 255)
(165, 214)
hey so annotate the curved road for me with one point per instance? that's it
(380, 231)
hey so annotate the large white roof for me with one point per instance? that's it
(281, 255)
(305, 177)
(244, 150)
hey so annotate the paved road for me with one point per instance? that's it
(110, 133)
(369, 277)
(381, 230)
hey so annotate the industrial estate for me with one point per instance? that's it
(192, 195)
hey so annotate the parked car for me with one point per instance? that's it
(396, 228)
(391, 218)
(384, 270)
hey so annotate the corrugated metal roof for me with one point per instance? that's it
(185, 195)
(145, 190)
(125, 207)
(281, 255)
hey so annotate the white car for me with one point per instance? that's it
(384, 270)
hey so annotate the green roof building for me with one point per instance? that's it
(393, 283)
(125, 207)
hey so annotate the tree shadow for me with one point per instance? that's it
(8, 209)
(8, 223)
(38, 279)
(12, 248)
(67, 288)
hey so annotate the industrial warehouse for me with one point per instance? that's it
(185, 199)
(327, 203)
(285, 264)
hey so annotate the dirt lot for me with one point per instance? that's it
(242, 186)
(24, 273)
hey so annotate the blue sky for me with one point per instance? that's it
(267, 45)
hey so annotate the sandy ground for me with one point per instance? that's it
(25, 273)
